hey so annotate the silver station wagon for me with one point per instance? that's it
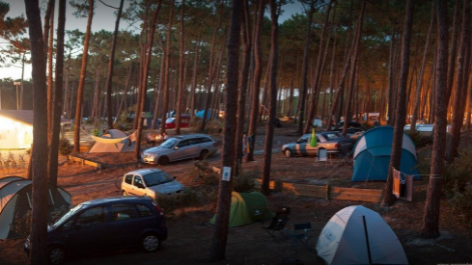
(180, 147)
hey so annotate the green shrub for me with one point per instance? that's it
(187, 198)
(461, 203)
(214, 126)
(64, 147)
(195, 123)
(419, 139)
(203, 172)
(245, 181)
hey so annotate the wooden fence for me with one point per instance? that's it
(325, 192)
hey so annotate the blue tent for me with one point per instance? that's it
(372, 155)
(209, 113)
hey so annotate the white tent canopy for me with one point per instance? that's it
(15, 202)
(114, 141)
(343, 240)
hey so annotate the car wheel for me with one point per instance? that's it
(203, 154)
(57, 255)
(288, 153)
(163, 160)
(150, 243)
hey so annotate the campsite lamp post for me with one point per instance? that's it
(16, 84)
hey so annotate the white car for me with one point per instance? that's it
(149, 182)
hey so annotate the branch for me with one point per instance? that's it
(107, 4)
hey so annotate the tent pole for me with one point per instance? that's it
(367, 240)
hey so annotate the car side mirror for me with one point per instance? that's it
(139, 185)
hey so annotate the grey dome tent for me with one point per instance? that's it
(15, 204)
(358, 235)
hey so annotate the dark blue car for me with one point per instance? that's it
(108, 223)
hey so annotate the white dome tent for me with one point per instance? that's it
(358, 235)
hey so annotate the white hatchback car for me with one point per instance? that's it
(149, 182)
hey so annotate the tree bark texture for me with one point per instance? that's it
(306, 50)
(419, 85)
(166, 71)
(38, 230)
(83, 72)
(110, 68)
(430, 227)
(355, 56)
(400, 115)
(143, 87)
(220, 235)
(57, 96)
(462, 77)
(181, 70)
(273, 97)
(256, 82)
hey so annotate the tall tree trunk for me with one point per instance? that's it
(194, 76)
(462, 78)
(38, 230)
(83, 72)
(354, 60)
(181, 69)
(110, 68)
(143, 87)
(125, 93)
(306, 50)
(220, 235)
(256, 82)
(211, 65)
(159, 92)
(318, 72)
(420, 79)
(274, 16)
(57, 97)
(47, 20)
(400, 116)
(430, 227)
(243, 82)
(167, 69)
(453, 49)
(50, 80)
(391, 89)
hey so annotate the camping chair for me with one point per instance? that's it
(300, 236)
(278, 222)
(322, 156)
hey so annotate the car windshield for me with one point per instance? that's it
(157, 178)
(169, 143)
(304, 138)
(331, 136)
(68, 215)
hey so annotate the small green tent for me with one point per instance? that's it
(247, 208)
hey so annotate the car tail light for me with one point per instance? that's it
(159, 210)
(336, 145)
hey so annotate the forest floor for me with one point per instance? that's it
(190, 233)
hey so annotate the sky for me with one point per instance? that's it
(104, 18)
